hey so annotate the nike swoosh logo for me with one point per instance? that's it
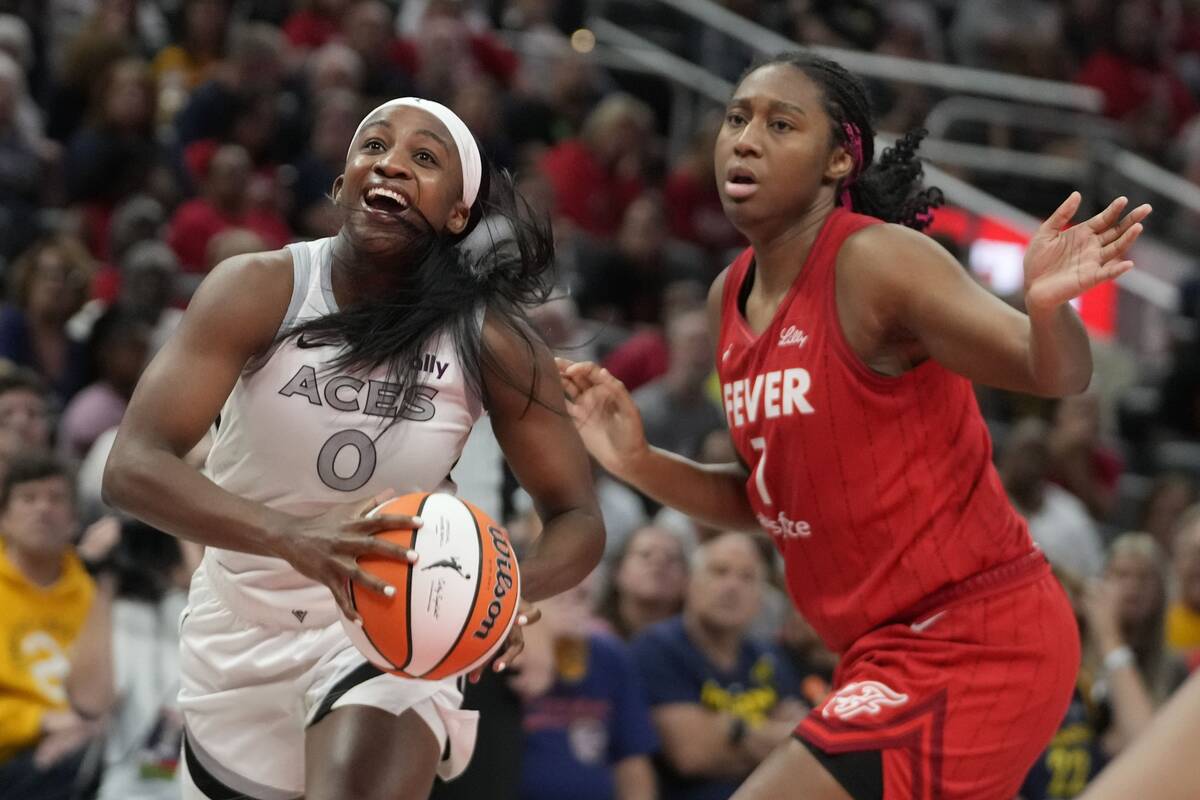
(920, 627)
(306, 344)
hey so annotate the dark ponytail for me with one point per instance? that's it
(890, 188)
(500, 265)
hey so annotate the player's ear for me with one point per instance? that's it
(840, 164)
(460, 215)
(338, 182)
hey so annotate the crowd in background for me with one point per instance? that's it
(141, 143)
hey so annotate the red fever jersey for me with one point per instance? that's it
(878, 491)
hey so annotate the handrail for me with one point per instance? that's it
(1156, 179)
(1018, 114)
(967, 80)
(649, 55)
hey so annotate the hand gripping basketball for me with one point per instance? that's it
(326, 548)
(527, 614)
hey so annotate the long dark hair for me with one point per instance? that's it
(500, 265)
(890, 189)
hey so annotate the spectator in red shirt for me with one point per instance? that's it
(1140, 87)
(597, 176)
(693, 205)
(314, 24)
(224, 203)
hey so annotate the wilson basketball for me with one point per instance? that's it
(454, 607)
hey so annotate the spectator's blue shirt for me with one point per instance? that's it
(577, 732)
(1073, 757)
(675, 671)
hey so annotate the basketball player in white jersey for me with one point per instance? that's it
(337, 371)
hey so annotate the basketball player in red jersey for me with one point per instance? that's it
(846, 352)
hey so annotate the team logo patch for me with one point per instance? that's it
(862, 697)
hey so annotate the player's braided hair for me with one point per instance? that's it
(442, 285)
(889, 189)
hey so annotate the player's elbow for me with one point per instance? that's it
(120, 480)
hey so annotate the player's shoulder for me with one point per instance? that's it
(245, 296)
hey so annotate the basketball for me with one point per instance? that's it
(454, 607)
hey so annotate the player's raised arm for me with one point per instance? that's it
(917, 289)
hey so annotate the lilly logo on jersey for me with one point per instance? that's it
(862, 697)
(791, 335)
(778, 393)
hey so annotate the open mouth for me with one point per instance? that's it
(386, 201)
(740, 184)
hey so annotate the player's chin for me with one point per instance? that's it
(383, 234)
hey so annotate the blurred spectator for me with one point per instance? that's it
(646, 582)
(115, 155)
(1080, 461)
(118, 349)
(645, 355)
(1180, 403)
(1125, 647)
(480, 104)
(369, 31)
(47, 284)
(625, 281)
(115, 30)
(138, 219)
(1183, 616)
(1170, 495)
(555, 107)
(691, 199)
(1140, 86)
(201, 46)
(46, 594)
(255, 75)
(21, 167)
(676, 411)
(332, 68)
(225, 203)
(597, 176)
(999, 34)
(587, 729)
(230, 243)
(454, 48)
(720, 701)
(1058, 521)
(315, 23)
(125, 667)
(338, 116)
(24, 415)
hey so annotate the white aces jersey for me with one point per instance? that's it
(300, 437)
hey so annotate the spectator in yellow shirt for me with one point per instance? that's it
(45, 593)
(1183, 617)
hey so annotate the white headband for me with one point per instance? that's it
(468, 150)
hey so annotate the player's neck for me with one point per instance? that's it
(719, 645)
(354, 276)
(780, 253)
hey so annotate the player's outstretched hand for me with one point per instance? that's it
(605, 415)
(1063, 263)
(527, 614)
(326, 548)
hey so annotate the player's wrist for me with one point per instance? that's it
(636, 464)
(1118, 658)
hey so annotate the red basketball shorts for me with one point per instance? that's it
(961, 698)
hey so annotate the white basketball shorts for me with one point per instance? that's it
(254, 677)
